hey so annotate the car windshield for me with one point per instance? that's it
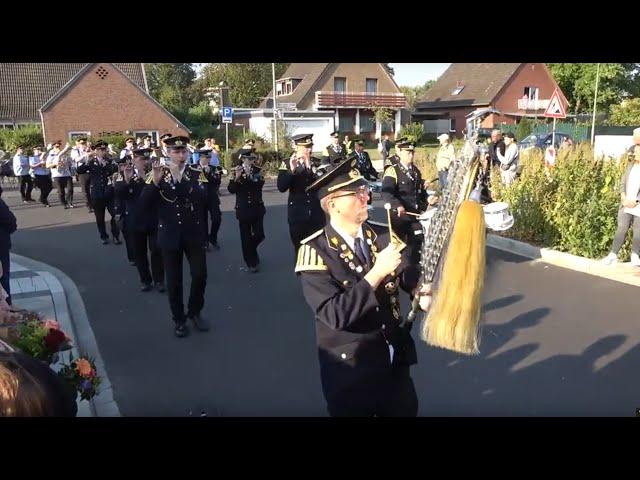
(530, 140)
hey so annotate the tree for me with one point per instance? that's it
(577, 81)
(626, 113)
(414, 94)
(248, 83)
(171, 84)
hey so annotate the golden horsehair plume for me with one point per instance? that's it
(455, 245)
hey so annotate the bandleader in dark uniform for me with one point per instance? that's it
(351, 273)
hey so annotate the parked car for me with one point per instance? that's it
(542, 141)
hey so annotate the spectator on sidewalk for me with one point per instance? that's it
(348, 145)
(29, 388)
(385, 148)
(508, 161)
(445, 156)
(42, 175)
(496, 145)
(21, 170)
(8, 225)
(629, 199)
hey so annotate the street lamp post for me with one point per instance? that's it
(275, 120)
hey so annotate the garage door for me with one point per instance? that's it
(320, 128)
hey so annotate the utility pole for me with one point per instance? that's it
(275, 119)
(595, 101)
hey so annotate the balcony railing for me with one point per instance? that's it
(528, 104)
(360, 100)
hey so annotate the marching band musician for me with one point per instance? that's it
(212, 204)
(180, 200)
(304, 213)
(351, 272)
(246, 184)
(80, 154)
(335, 151)
(100, 170)
(128, 149)
(141, 226)
(403, 188)
(60, 167)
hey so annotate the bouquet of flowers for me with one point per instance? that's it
(81, 375)
(42, 339)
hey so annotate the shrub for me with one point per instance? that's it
(572, 207)
(413, 131)
(28, 136)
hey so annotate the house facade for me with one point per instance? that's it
(73, 99)
(512, 90)
(350, 92)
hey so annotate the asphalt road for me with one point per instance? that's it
(554, 342)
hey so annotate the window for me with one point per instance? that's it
(346, 123)
(279, 88)
(340, 84)
(372, 85)
(73, 136)
(452, 124)
(531, 93)
(367, 122)
(142, 133)
(457, 90)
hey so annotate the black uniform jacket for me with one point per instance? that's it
(100, 178)
(354, 323)
(402, 187)
(179, 206)
(248, 192)
(128, 195)
(302, 206)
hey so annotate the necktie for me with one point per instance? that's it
(361, 253)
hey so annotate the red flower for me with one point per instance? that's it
(54, 339)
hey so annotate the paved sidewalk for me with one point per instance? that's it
(41, 288)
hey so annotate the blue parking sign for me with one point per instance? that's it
(227, 114)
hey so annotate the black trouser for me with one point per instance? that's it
(129, 242)
(212, 210)
(172, 260)
(251, 235)
(300, 231)
(6, 274)
(99, 206)
(142, 240)
(398, 400)
(43, 182)
(84, 179)
(65, 183)
(26, 185)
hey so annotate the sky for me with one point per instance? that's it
(407, 74)
(415, 74)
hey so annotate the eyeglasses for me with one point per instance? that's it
(362, 192)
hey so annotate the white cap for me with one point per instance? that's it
(636, 132)
(443, 136)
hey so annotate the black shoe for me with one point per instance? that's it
(105, 241)
(181, 330)
(117, 241)
(200, 323)
(207, 248)
(146, 287)
(160, 287)
(215, 245)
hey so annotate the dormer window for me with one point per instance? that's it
(458, 89)
(286, 86)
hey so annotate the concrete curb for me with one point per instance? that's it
(72, 316)
(621, 272)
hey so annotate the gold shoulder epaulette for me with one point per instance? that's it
(312, 236)
(390, 171)
(283, 166)
(309, 260)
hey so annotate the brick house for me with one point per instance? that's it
(515, 90)
(347, 91)
(72, 99)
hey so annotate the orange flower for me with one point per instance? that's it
(83, 367)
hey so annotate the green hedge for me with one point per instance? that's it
(572, 207)
(29, 136)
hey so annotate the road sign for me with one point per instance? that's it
(227, 115)
(555, 108)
